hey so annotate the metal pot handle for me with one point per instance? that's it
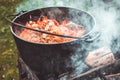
(41, 31)
(92, 36)
(87, 38)
(14, 15)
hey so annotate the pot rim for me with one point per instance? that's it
(83, 36)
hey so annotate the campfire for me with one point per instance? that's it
(50, 57)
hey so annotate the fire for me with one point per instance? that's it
(53, 26)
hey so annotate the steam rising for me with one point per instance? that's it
(106, 14)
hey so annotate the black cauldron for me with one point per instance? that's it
(51, 60)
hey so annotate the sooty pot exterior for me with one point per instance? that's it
(50, 60)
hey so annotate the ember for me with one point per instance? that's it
(52, 26)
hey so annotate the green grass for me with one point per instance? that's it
(8, 51)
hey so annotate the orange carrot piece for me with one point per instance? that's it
(64, 22)
(56, 22)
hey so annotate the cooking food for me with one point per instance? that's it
(53, 26)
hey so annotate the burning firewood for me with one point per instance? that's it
(113, 75)
(99, 57)
(105, 72)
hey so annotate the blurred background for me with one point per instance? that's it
(8, 52)
(106, 13)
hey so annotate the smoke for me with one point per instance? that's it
(106, 14)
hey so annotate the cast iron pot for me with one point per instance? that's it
(51, 60)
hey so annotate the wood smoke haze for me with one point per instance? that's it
(106, 14)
